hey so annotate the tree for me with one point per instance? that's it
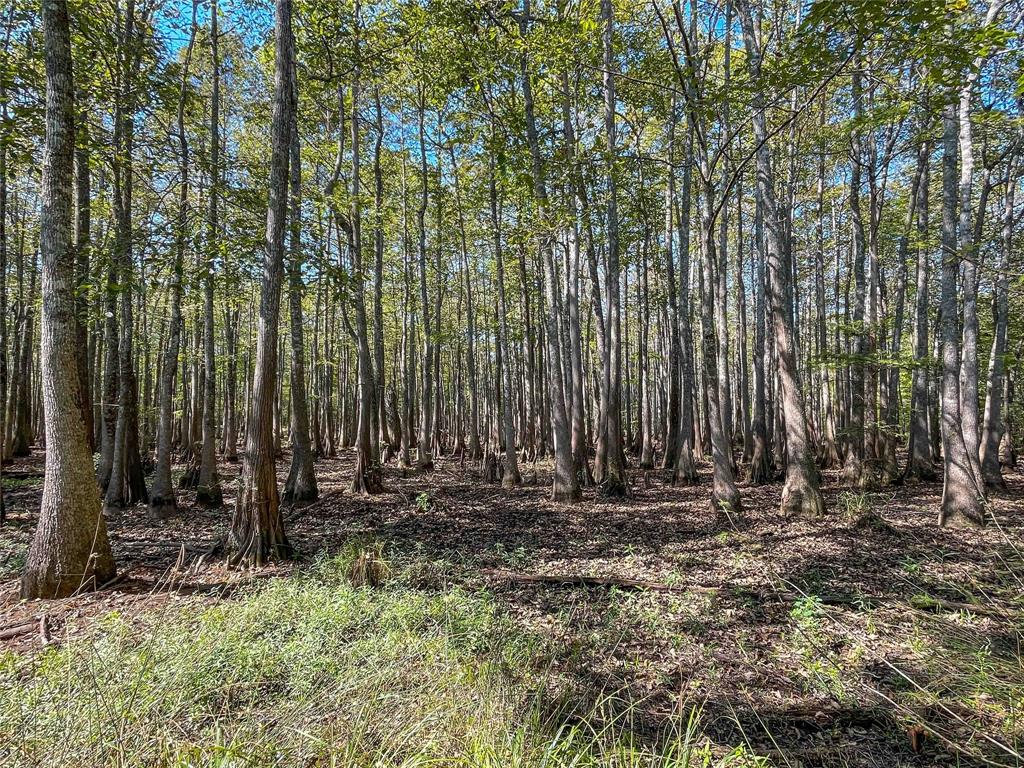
(565, 485)
(162, 501)
(800, 495)
(257, 530)
(69, 549)
(961, 496)
(301, 485)
(208, 489)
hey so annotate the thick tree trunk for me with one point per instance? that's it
(725, 497)
(969, 258)
(69, 549)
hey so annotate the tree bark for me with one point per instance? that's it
(300, 485)
(257, 527)
(366, 477)
(991, 472)
(162, 501)
(800, 494)
(565, 486)
(920, 459)
(69, 549)
(962, 497)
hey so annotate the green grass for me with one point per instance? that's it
(20, 483)
(311, 671)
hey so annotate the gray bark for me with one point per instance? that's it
(69, 549)
(257, 530)
(962, 497)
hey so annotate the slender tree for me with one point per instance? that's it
(257, 526)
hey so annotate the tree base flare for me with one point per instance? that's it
(685, 471)
(965, 512)
(510, 477)
(259, 549)
(302, 491)
(209, 496)
(163, 507)
(801, 498)
(367, 480)
(614, 486)
(727, 506)
(565, 495)
(921, 470)
(301, 486)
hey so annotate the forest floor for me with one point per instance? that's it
(869, 638)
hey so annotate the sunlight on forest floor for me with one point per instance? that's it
(869, 638)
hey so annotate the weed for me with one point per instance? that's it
(424, 502)
(515, 558)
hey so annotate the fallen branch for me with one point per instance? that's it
(929, 603)
(16, 630)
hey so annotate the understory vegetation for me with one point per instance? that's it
(414, 668)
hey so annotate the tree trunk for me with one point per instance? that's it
(991, 472)
(208, 490)
(855, 471)
(614, 482)
(685, 471)
(920, 458)
(565, 486)
(801, 494)
(384, 439)
(423, 458)
(257, 526)
(962, 497)
(69, 549)
(366, 477)
(511, 476)
(162, 501)
(127, 484)
(300, 486)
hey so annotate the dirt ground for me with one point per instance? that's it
(869, 638)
